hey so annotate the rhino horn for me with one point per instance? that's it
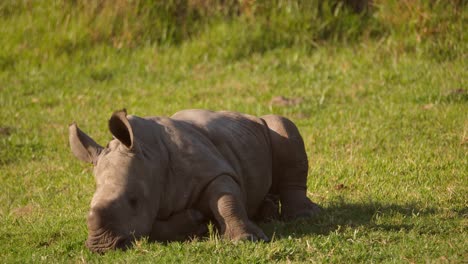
(121, 129)
(83, 146)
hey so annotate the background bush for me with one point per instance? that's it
(242, 27)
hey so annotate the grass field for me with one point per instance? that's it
(384, 121)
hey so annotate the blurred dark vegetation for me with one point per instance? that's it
(252, 26)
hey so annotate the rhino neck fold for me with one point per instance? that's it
(150, 135)
(179, 179)
(166, 180)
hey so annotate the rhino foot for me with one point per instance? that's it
(294, 204)
(253, 233)
(310, 212)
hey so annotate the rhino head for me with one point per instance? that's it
(125, 203)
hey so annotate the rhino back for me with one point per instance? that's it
(192, 161)
(242, 141)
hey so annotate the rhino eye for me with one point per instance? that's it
(133, 202)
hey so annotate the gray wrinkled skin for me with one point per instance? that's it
(165, 177)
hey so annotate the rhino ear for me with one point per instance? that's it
(121, 128)
(82, 146)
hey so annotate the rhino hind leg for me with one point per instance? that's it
(224, 200)
(294, 201)
(290, 166)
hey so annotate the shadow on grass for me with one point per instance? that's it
(339, 216)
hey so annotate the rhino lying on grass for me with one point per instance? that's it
(164, 177)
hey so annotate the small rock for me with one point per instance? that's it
(5, 131)
(340, 186)
(458, 91)
(284, 101)
(428, 106)
(23, 211)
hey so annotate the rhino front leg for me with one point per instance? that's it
(223, 196)
(180, 226)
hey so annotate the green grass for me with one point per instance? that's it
(384, 120)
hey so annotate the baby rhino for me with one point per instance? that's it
(164, 178)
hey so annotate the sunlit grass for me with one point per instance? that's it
(384, 123)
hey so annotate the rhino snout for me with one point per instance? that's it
(98, 218)
(102, 235)
(102, 241)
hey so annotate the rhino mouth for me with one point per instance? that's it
(101, 241)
